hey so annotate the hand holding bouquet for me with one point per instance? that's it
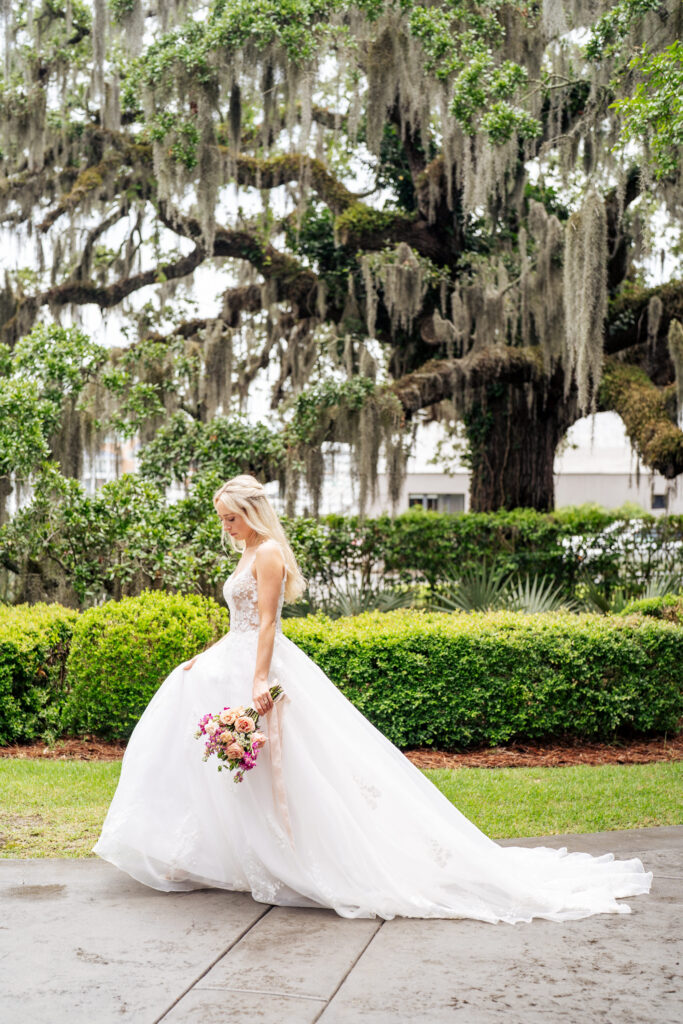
(233, 736)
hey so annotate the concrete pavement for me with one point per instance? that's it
(81, 943)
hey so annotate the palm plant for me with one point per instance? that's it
(481, 589)
(663, 583)
(354, 599)
(536, 594)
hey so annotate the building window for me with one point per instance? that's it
(659, 501)
(425, 501)
(438, 502)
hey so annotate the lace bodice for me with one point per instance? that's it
(240, 591)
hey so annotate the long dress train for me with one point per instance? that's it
(372, 836)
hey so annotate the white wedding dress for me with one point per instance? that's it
(371, 835)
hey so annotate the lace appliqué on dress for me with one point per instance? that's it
(240, 591)
(371, 793)
(264, 887)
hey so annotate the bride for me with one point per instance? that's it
(333, 814)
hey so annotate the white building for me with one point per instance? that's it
(596, 464)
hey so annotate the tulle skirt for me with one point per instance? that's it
(370, 834)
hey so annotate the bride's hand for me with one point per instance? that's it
(189, 664)
(263, 701)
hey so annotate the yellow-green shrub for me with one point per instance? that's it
(123, 650)
(424, 679)
(669, 607)
(452, 681)
(34, 642)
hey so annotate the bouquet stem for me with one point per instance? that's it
(275, 692)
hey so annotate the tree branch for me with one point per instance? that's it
(439, 379)
(277, 170)
(362, 227)
(289, 279)
(105, 296)
(618, 243)
(627, 320)
(244, 299)
(89, 180)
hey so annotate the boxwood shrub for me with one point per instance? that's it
(669, 606)
(34, 643)
(453, 681)
(123, 650)
(424, 679)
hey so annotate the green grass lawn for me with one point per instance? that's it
(55, 808)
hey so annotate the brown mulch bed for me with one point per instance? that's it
(543, 755)
(516, 755)
(67, 750)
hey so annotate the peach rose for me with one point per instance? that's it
(234, 752)
(258, 739)
(227, 717)
(226, 737)
(245, 724)
(212, 728)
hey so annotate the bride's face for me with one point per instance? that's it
(235, 525)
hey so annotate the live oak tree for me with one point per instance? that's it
(487, 275)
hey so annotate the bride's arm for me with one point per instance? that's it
(269, 569)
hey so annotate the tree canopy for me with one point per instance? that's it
(413, 208)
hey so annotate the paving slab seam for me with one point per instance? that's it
(213, 963)
(324, 1009)
(261, 992)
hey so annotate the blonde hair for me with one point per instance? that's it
(245, 496)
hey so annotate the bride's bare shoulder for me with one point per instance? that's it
(268, 558)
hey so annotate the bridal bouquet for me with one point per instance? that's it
(233, 736)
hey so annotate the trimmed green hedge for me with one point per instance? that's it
(424, 679)
(123, 650)
(454, 681)
(669, 607)
(34, 643)
(568, 545)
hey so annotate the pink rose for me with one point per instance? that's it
(245, 724)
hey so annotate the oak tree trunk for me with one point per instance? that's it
(513, 435)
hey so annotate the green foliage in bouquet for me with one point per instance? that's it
(122, 651)
(455, 681)
(34, 642)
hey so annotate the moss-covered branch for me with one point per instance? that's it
(364, 228)
(291, 281)
(439, 379)
(628, 323)
(104, 296)
(277, 170)
(648, 413)
(245, 298)
(89, 180)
